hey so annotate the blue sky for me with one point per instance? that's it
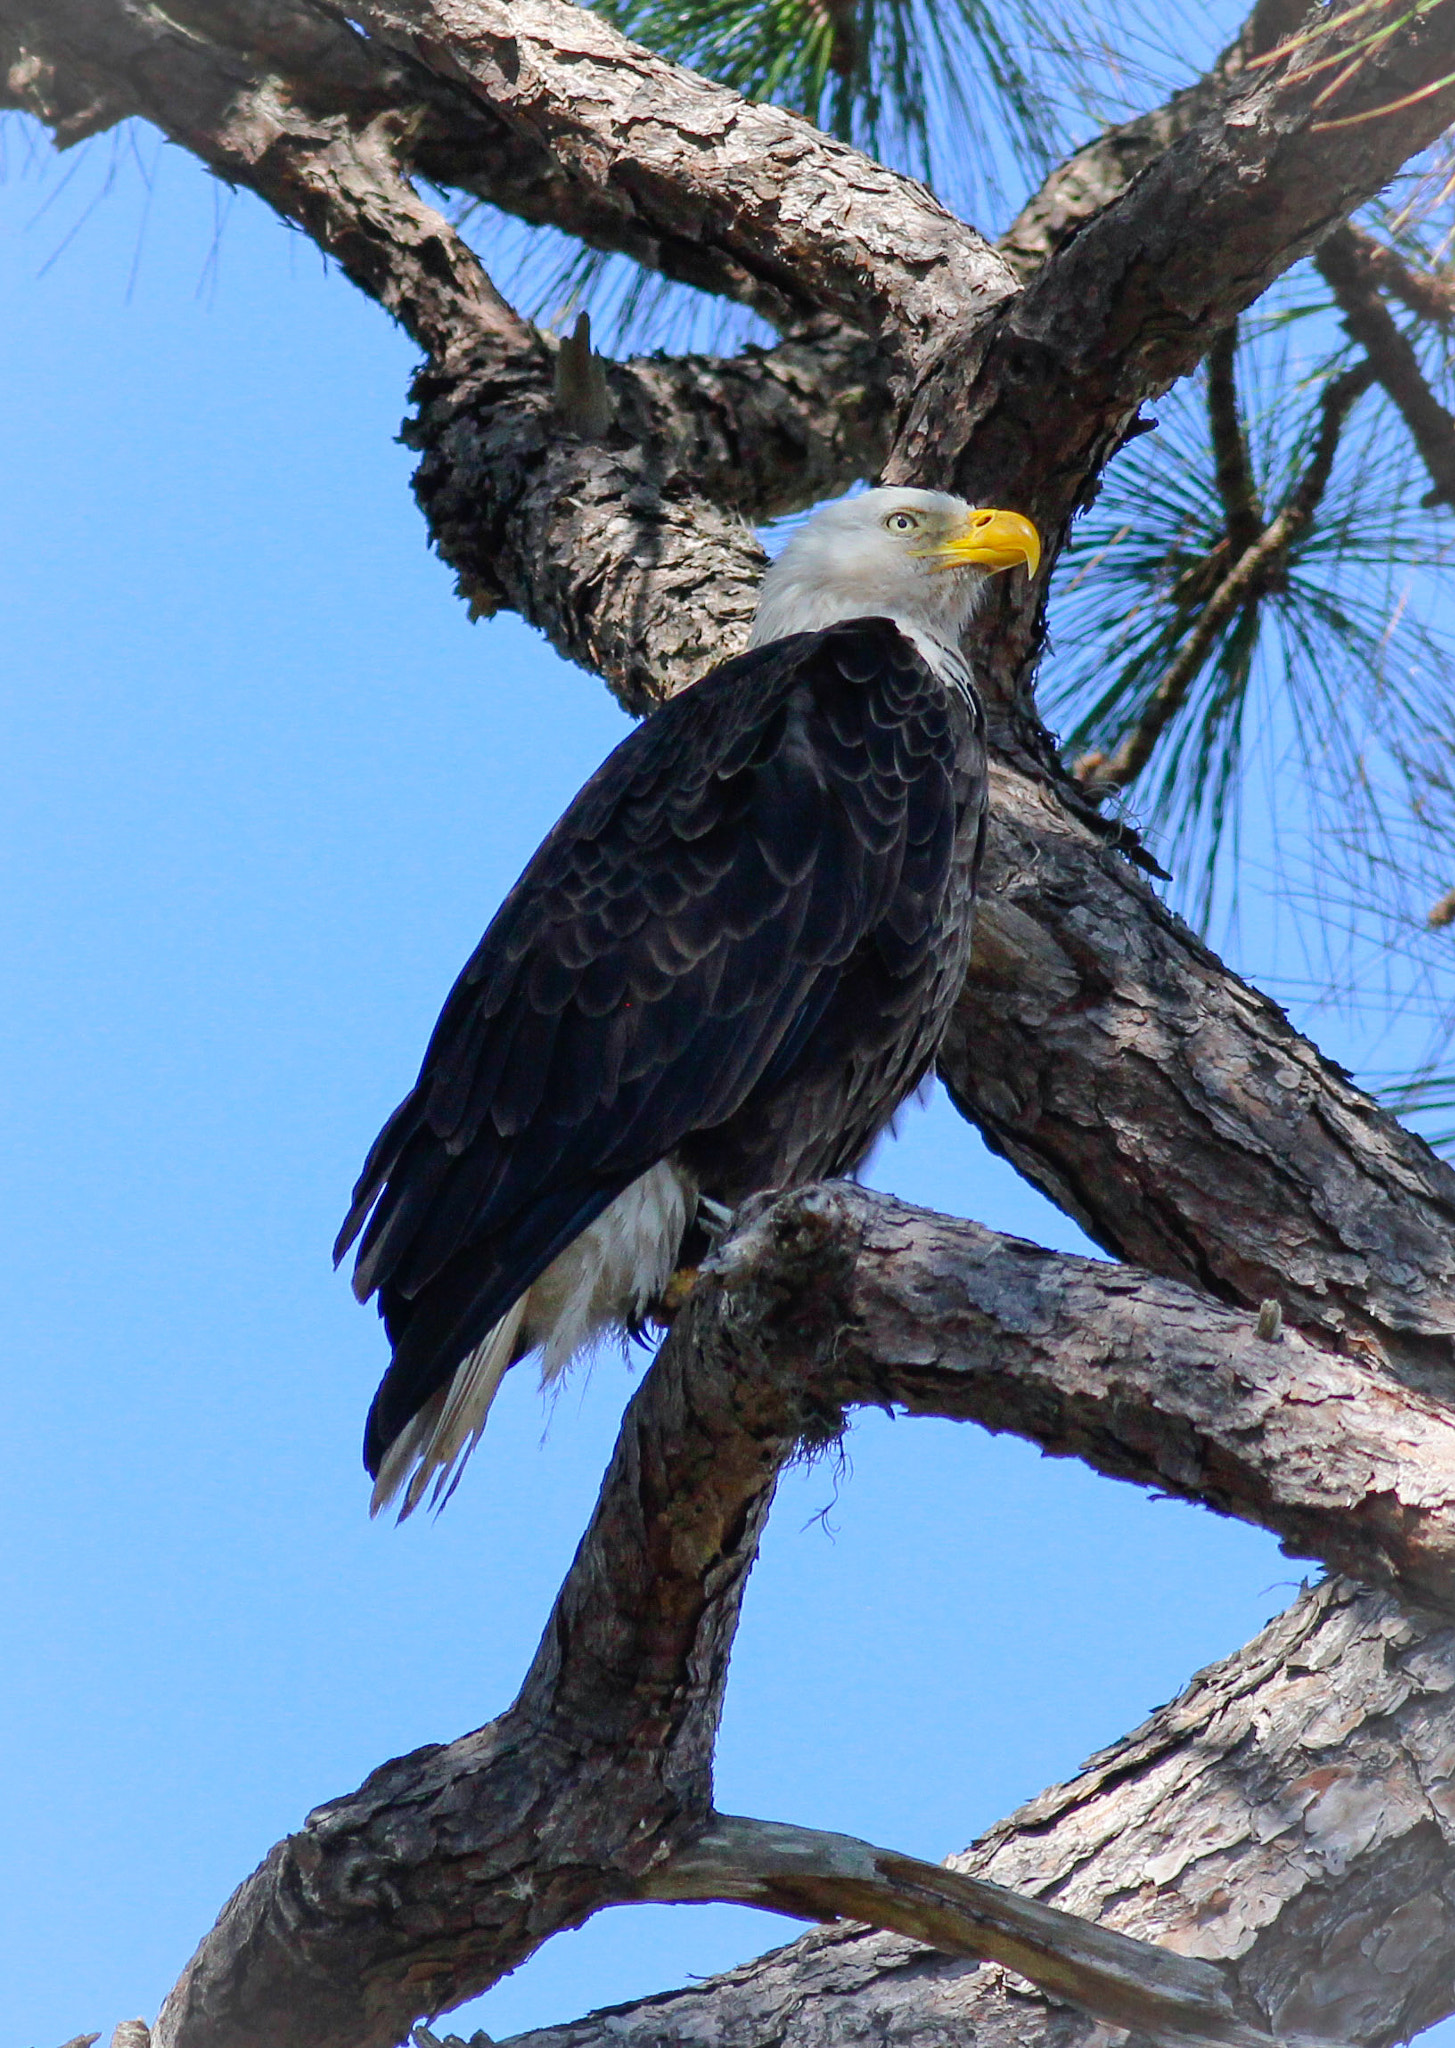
(263, 786)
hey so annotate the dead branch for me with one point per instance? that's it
(1289, 1815)
(809, 1875)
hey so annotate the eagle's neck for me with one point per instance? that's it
(792, 609)
(947, 662)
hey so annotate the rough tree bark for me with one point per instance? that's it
(1272, 1854)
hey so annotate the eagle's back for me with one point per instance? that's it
(738, 947)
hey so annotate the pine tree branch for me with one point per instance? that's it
(448, 1867)
(1289, 1815)
(1233, 471)
(1026, 407)
(799, 215)
(809, 1875)
(1093, 176)
(1252, 573)
(1176, 1114)
(1345, 268)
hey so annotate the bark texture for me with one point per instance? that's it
(449, 1866)
(1291, 1814)
(1275, 1846)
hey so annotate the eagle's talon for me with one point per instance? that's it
(715, 1219)
(676, 1294)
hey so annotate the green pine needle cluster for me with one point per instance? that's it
(1312, 754)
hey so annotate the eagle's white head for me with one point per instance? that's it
(921, 558)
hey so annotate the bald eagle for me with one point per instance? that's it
(723, 971)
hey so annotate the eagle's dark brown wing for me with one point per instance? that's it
(675, 948)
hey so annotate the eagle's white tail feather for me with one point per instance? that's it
(447, 1428)
(605, 1278)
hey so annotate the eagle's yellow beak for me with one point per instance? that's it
(992, 540)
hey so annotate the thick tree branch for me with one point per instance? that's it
(1290, 1815)
(450, 1866)
(1351, 278)
(1141, 1378)
(1177, 1114)
(807, 220)
(1100, 172)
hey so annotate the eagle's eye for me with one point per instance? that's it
(901, 522)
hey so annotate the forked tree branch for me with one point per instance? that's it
(448, 1867)
(1290, 1815)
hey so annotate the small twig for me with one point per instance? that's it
(1234, 472)
(810, 1875)
(1343, 267)
(1245, 582)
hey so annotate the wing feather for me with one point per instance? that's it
(680, 936)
